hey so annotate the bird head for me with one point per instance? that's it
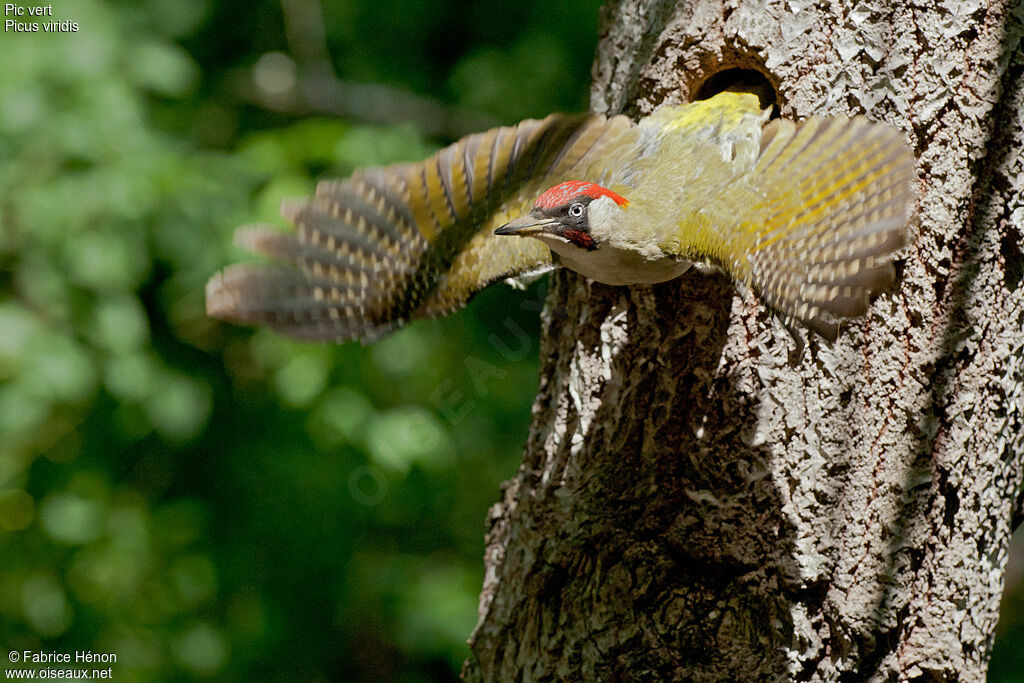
(569, 216)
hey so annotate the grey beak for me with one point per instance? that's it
(525, 225)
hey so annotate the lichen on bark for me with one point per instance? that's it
(696, 502)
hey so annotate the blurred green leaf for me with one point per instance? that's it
(179, 406)
(176, 19)
(163, 68)
(71, 518)
(45, 605)
(439, 610)
(195, 579)
(341, 415)
(120, 325)
(405, 436)
(202, 649)
(202, 499)
(58, 369)
(302, 377)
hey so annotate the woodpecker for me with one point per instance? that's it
(806, 214)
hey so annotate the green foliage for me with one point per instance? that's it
(209, 501)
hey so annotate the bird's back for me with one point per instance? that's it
(807, 213)
(692, 165)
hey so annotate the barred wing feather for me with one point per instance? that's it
(813, 224)
(407, 241)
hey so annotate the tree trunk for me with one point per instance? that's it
(698, 500)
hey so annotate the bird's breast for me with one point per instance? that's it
(622, 266)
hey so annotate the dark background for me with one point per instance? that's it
(211, 501)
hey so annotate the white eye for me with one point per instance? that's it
(576, 210)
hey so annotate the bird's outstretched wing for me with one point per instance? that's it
(837, 198)
(811, 221)
(410, 240)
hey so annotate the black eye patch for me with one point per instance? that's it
(562, 210)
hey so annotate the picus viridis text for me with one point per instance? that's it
(806, 214)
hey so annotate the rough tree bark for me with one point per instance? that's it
(696, 501)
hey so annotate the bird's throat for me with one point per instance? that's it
(614, 265)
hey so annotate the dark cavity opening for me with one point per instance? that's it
(741, 80)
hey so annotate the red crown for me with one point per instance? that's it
(560, 195)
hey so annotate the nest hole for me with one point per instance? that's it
(741, 80)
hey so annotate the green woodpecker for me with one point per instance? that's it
(806, 214)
